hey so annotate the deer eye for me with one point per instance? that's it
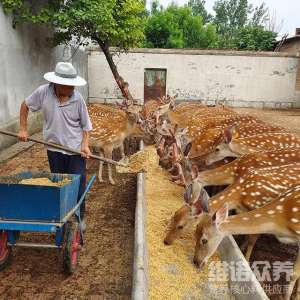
(204, 241)
(217, 149)
(180, 227)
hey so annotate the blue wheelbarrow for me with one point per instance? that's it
(33, 208)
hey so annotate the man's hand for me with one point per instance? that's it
(23, 135)
(85, 151)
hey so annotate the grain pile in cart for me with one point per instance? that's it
(44, 182)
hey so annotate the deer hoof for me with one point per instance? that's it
(112, 182)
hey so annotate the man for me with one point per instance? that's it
(66, 121)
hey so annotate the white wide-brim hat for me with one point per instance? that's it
(65, 74)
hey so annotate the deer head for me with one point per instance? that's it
(182, 220)
(208, 236)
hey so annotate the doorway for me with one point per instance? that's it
(154, 83)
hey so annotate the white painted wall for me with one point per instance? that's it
(24, 58)
(238, 78)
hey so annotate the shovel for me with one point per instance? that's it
(60, 147)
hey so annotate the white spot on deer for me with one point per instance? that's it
(245, 218)
(294, 220)
(257, 215)
(295, 209)
(271, 212)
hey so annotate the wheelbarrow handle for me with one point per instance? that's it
(71, 212)
(110, 161)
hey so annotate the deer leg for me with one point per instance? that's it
(108, 154)
(252, 238)
(100, 173)
(124, 158)
(294, 278)
(122, 151)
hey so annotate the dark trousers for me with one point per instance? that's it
(69, 164)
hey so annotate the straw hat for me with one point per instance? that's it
(65, 74)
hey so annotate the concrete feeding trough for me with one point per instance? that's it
(140, 258)
(245, 290)
(228, 249)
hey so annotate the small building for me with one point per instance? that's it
(291, 44)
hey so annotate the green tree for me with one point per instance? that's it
(198, 9)
(155, 7)
(231, 14)
(117, 23)
(238, 22)
(255, 38)
(177, 27)
(260, 15)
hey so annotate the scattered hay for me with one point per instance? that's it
(172, 274)
(44, 181)
(139, 161)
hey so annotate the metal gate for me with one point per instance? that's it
(154, 83)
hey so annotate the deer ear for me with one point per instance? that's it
(221, 215)
(204, 198)
(187, 149)
(195, 171)
(188, 194)
(196, 208)
(229, 133)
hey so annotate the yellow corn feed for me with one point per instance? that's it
(139, 161)
(172, 274)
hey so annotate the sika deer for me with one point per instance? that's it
(228, 174)
(261, 142)
(208, 140)
(111, 127)
(184, 114)
(254, 188)
(281, 217)
(201, 139)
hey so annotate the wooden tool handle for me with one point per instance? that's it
(60, 147)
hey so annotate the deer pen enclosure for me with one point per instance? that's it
(124, 256)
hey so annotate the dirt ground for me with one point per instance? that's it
(289, 119)
(105, 267)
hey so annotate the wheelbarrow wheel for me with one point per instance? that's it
(5, 250)
(71, 246)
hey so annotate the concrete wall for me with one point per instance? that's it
(24, 58)
(245, 79)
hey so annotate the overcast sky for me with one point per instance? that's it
(286, 10)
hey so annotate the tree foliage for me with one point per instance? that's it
(177, 27)
(198, 9)
(240, 25)
(116, 23)
(255, 38)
